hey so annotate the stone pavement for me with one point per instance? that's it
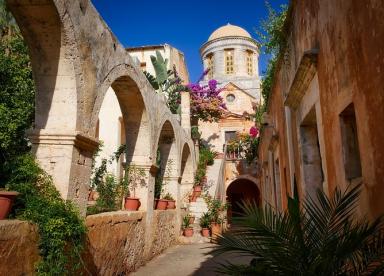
(185, 260)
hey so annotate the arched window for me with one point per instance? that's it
(210, 66)
(250, 63)
(229, 61)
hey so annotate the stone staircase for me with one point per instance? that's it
(198, 208)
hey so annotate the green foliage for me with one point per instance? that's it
(205, 220)
(216, 209)
(166, 82)
(322, 236)
(186, 224)
(195, 134)
(105, 183)
(206, 158)
(273, 39)
(61, 230)
(16, 101)
(134, 177)
(168, 196)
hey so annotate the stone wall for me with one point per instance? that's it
(18, 247)
(333, 63)
(117, 242)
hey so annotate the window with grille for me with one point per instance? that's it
(229, 62)
(250, 63)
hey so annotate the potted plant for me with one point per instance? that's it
(170, 200)
(216, 209)
(191, 218)
(187, 230)
(204, 224)
(133, 177)
(161, 204)
(6, 200)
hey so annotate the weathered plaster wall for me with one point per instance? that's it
(117, 242)
(349, 36)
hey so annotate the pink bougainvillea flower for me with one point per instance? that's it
(253, 131)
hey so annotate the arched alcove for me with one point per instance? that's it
(186, 172)
(167, 160)
(241, 190)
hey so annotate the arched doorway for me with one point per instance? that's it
(241, 190)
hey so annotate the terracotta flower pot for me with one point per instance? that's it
(191, 220)
(205, 232)
(197, 191)
(171, 204)
(6, 201)
(192, 198)
(161, 204)
(132, 203)
(215, 229)
(188, 232)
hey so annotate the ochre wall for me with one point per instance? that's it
(349, 36)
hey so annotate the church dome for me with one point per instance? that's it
(229, 30)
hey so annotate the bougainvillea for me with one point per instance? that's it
(244, 145)
(206, 103)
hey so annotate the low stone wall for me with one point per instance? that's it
(117, 242)
(18, 247)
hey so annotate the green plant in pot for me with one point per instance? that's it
(134, 177)
(187, 229)
(171, 201)
(205, 222)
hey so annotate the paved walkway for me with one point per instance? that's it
(185, 260)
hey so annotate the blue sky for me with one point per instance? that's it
(185, 25)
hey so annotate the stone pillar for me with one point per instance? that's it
(67, 157)
(186, 112)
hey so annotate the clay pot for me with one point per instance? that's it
(192, 198)
(171, 204)
(161, 204)
(191, 220)
(197, 191)
(188, 232)
(205, 232)
(132, 203)
(6, 201)
(215, 229)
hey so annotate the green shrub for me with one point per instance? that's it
(61, 230)
(205, 220)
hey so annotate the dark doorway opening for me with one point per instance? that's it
(241, 190)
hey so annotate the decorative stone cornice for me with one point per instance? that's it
(304, 75)
(55, 137)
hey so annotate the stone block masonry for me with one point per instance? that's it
(117, 242)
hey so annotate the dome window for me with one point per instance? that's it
(230, 98)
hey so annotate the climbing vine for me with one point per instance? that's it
(273, 39)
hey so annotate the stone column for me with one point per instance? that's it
(186, 112)
(67, 157)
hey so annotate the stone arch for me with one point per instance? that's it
(240, 190)
(55, 63)
(167, 148)
(186, 171)
(58, 77)
(136, 123)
